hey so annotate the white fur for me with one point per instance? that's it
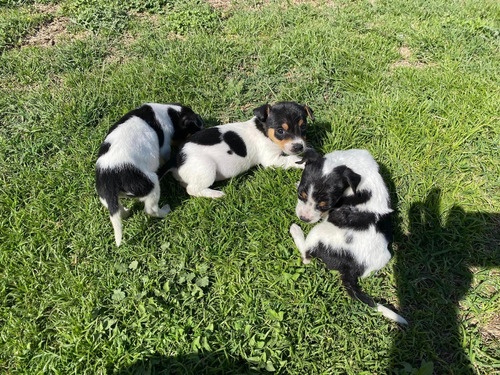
(206, 164)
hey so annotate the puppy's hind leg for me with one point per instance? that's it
(199, 175)
(300, 242)
(116, 213)
(151, 200)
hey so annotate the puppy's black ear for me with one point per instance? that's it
(262, 112)
(352, 179)
(310, 156)
(192, 124)
(309, 112)
(199, 122)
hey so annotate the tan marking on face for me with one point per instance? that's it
(303, 195)
(301, 122)
(282, 143)
(322, 204)
(285, 126)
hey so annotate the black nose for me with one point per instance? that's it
(298, 147)
(305, 219)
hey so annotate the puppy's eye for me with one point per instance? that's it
(280, 131)
(322, 205)
(303, 128)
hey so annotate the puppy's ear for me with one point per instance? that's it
(310, 156)
(309, 112)
(352, 179)
(199, 122)
(262, 112)
(191, 124)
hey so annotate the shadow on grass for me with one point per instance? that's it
(190, 364)
(433, 273)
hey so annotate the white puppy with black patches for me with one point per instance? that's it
(134, 148)
(272, 138)
(346, 189)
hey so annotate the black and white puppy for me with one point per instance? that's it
(346, 189)
(272, 138)
(132, 152)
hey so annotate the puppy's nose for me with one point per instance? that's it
(304, 219)
(297, 147)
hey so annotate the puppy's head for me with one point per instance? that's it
(318, 192)
(185, 122)
(285, 124)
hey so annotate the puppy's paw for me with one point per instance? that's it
(162, 212)
(210, 193)
(295, 231)
(306, 260)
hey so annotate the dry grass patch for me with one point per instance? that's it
(406, 62)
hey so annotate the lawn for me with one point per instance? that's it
(218, 287)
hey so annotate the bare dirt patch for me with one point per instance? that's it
(491, 331)
(54, 31)
(47, 34)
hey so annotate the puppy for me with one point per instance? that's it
(132, 152)
(346, 189)
(272, 138)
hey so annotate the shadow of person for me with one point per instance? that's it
(433, 273)
(190, 364)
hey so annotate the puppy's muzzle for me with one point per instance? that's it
(305, 219)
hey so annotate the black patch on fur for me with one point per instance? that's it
(229, 152)
(180, 158)
(103, 149)
(127, 179)
(348, 238)
(235, 143)
(146, 114)
(260, 126)
(342, 261)
(345, 217)
(360, 197)
(206, 137)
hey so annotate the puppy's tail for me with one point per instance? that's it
(353, 289)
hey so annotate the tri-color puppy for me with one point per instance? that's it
(346, 189)
(272, 138)
(132, 152)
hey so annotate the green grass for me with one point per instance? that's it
(218, 286)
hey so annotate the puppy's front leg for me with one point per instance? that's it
(290, 161)
(300, 242)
